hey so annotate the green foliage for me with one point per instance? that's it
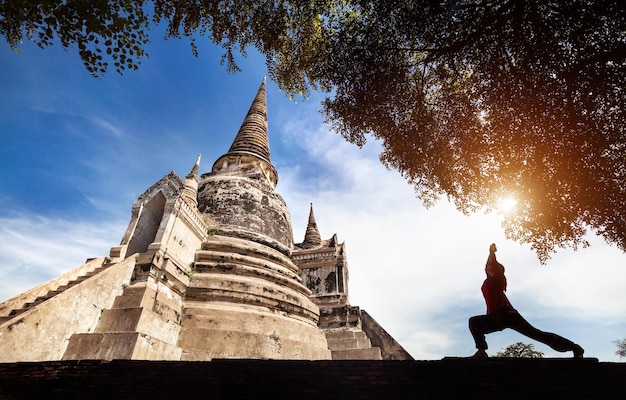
(103, 31)
(472, 100)
(484, 100)
(621, 348)
(476, 101)
(520, 350)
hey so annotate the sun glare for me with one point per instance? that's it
(507, 204)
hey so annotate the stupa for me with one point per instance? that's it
(206, 269)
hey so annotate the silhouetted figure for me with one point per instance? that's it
(501, 315)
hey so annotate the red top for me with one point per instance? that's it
(494, 286)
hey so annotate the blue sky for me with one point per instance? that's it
(76, 152)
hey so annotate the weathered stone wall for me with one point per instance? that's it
(180, 234)
(147, 225)
(144, 321)
(141, 324)
(248, 209)
(42, 333)
(323, 271)
(246, 300)
(389, 347)
(40, 290)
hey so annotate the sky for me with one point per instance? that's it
(76, 152)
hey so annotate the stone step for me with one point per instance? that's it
(38, 300)
(348, 344)
(15, 313)
(27, 306)
(344, 334)
(347, 339)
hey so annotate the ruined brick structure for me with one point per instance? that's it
(206, 269)
(350, 331)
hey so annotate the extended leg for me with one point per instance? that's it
(556, 342)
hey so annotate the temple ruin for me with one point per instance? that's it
(207, 269)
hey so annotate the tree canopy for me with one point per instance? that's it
(520, 350)
(103, 31)
(472, 100)
(621, 348)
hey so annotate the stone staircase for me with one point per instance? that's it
(50, 294)
(351, 344)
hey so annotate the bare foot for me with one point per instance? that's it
(480, 353)
(578, 351)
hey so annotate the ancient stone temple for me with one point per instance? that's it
(206, 269)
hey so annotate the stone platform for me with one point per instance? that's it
(452, 378)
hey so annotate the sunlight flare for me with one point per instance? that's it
(507, 204)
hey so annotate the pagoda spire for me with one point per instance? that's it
(252, 135)
(193, 174)
(190, 190)
(251, 144)
(312, 236)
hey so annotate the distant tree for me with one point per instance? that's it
(621, 348)
(472, 100)
(520, 350)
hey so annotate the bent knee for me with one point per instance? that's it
(477, 323)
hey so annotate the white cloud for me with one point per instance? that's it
(108, 126)
(38, 248)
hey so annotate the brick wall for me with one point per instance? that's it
(255, 379)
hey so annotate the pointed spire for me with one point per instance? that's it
(251, 145)
(252, 135)
(190, 190)
(193, 174)
(312, 236)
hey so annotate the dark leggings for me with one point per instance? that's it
(508, 317)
